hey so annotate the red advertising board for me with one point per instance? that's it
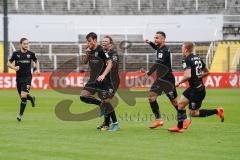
(128, 80)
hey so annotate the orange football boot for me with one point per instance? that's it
(176, 129)
(220, 114)
(157, 123)
(187, 123)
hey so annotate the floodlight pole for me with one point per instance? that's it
(5, 33)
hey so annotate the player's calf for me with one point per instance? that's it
(182, 116)
(209, 112)
(31, 99)
(22, 108)
(175, 103)
(155, 110)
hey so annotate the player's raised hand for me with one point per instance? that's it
(146, 40)
(87, 50)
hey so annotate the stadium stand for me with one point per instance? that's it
(225, 56)
(231, 27)
(116, 7)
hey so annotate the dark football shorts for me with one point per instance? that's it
(24, 85)
(195, 96)
(158, 87)
(104, 89)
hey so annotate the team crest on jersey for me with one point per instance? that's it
(115, 58)
(18, 56)
(28, 56)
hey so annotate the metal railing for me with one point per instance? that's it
(236, 61)
(58, 60)
(51, 60)
(212, 49)
(210, 54)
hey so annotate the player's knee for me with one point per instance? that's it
(23, 95)
(193, 113)
(174, 102)
(106, 100)
(83, 98)
(151, 98)
(85, 93)
(181, 105)
(24, 99)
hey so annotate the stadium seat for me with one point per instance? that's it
(223, 57)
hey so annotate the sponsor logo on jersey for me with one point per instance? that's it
(24, 61)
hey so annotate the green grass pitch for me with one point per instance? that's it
(42, 136)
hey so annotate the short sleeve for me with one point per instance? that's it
(186, 64)
(114, 57)
(34, 58)
(13, 57)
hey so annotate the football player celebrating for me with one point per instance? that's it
(194, 70)
(163, 60)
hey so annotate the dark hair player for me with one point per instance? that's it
(23, 59)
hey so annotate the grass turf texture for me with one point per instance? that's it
(42, 136)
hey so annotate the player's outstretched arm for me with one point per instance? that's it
(151, 44)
